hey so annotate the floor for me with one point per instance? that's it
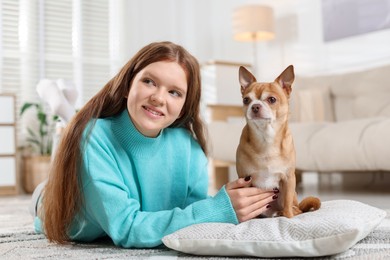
(372, 189)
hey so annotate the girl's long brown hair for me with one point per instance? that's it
(63, 196)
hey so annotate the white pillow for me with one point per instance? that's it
(334, 228)
(312, 105)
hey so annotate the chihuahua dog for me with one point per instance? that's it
(266, 149)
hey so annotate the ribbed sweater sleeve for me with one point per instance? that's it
(122, 219)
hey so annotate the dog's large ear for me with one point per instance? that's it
(286, 78)
(246, 78)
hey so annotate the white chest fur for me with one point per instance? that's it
(269, 177)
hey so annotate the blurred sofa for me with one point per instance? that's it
(340, 123)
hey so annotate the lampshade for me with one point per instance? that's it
(253, 23)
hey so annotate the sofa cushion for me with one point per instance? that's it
(369, 104)
(224, 137)
(372, 104)
(353, 145)
(311, 105)
(358, 94)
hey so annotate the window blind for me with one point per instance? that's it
(9, 50)
(95, 46)
(56, 40)
(53, 39)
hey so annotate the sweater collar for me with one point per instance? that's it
(130, 138)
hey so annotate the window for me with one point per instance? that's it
(9, 47)
(53, 39)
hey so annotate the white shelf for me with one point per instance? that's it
(8, 178)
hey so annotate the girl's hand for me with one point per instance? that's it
(248, 202)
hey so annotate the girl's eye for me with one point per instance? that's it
(271, 100)
(149, 82)
(175, 93)
(246, 100)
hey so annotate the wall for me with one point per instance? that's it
(312, 55)
(204, 28)
(183, 22)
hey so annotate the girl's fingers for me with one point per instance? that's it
(262, 197)
(239, 183)
(248, 202)
(253, 214)
(256, 205)
(244, 209)
(244, 199)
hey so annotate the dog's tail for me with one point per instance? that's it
(309, 204)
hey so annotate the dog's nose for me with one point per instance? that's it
(256, 108)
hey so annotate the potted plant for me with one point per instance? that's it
(37, 153)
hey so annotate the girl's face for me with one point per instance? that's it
(157, 96)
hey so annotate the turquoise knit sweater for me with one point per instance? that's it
(139, 189)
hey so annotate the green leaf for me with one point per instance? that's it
(33, 141)
(42, 118)
(31, 133)
(25, 107)
(41, 136)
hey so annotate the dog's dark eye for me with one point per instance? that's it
(271, 100)
(246, 100)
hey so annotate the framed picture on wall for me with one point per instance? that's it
(345, 18)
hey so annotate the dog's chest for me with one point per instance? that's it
(263, 157)
(269, 175)
(268, 168)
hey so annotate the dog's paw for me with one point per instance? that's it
(291, 212)
(296, 210)
(287, 214)
(278, 214)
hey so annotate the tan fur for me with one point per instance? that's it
(266, 149)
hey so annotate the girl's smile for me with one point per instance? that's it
(153, 111)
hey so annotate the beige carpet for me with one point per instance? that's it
(18, 241)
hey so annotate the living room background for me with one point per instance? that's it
(87, 41)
